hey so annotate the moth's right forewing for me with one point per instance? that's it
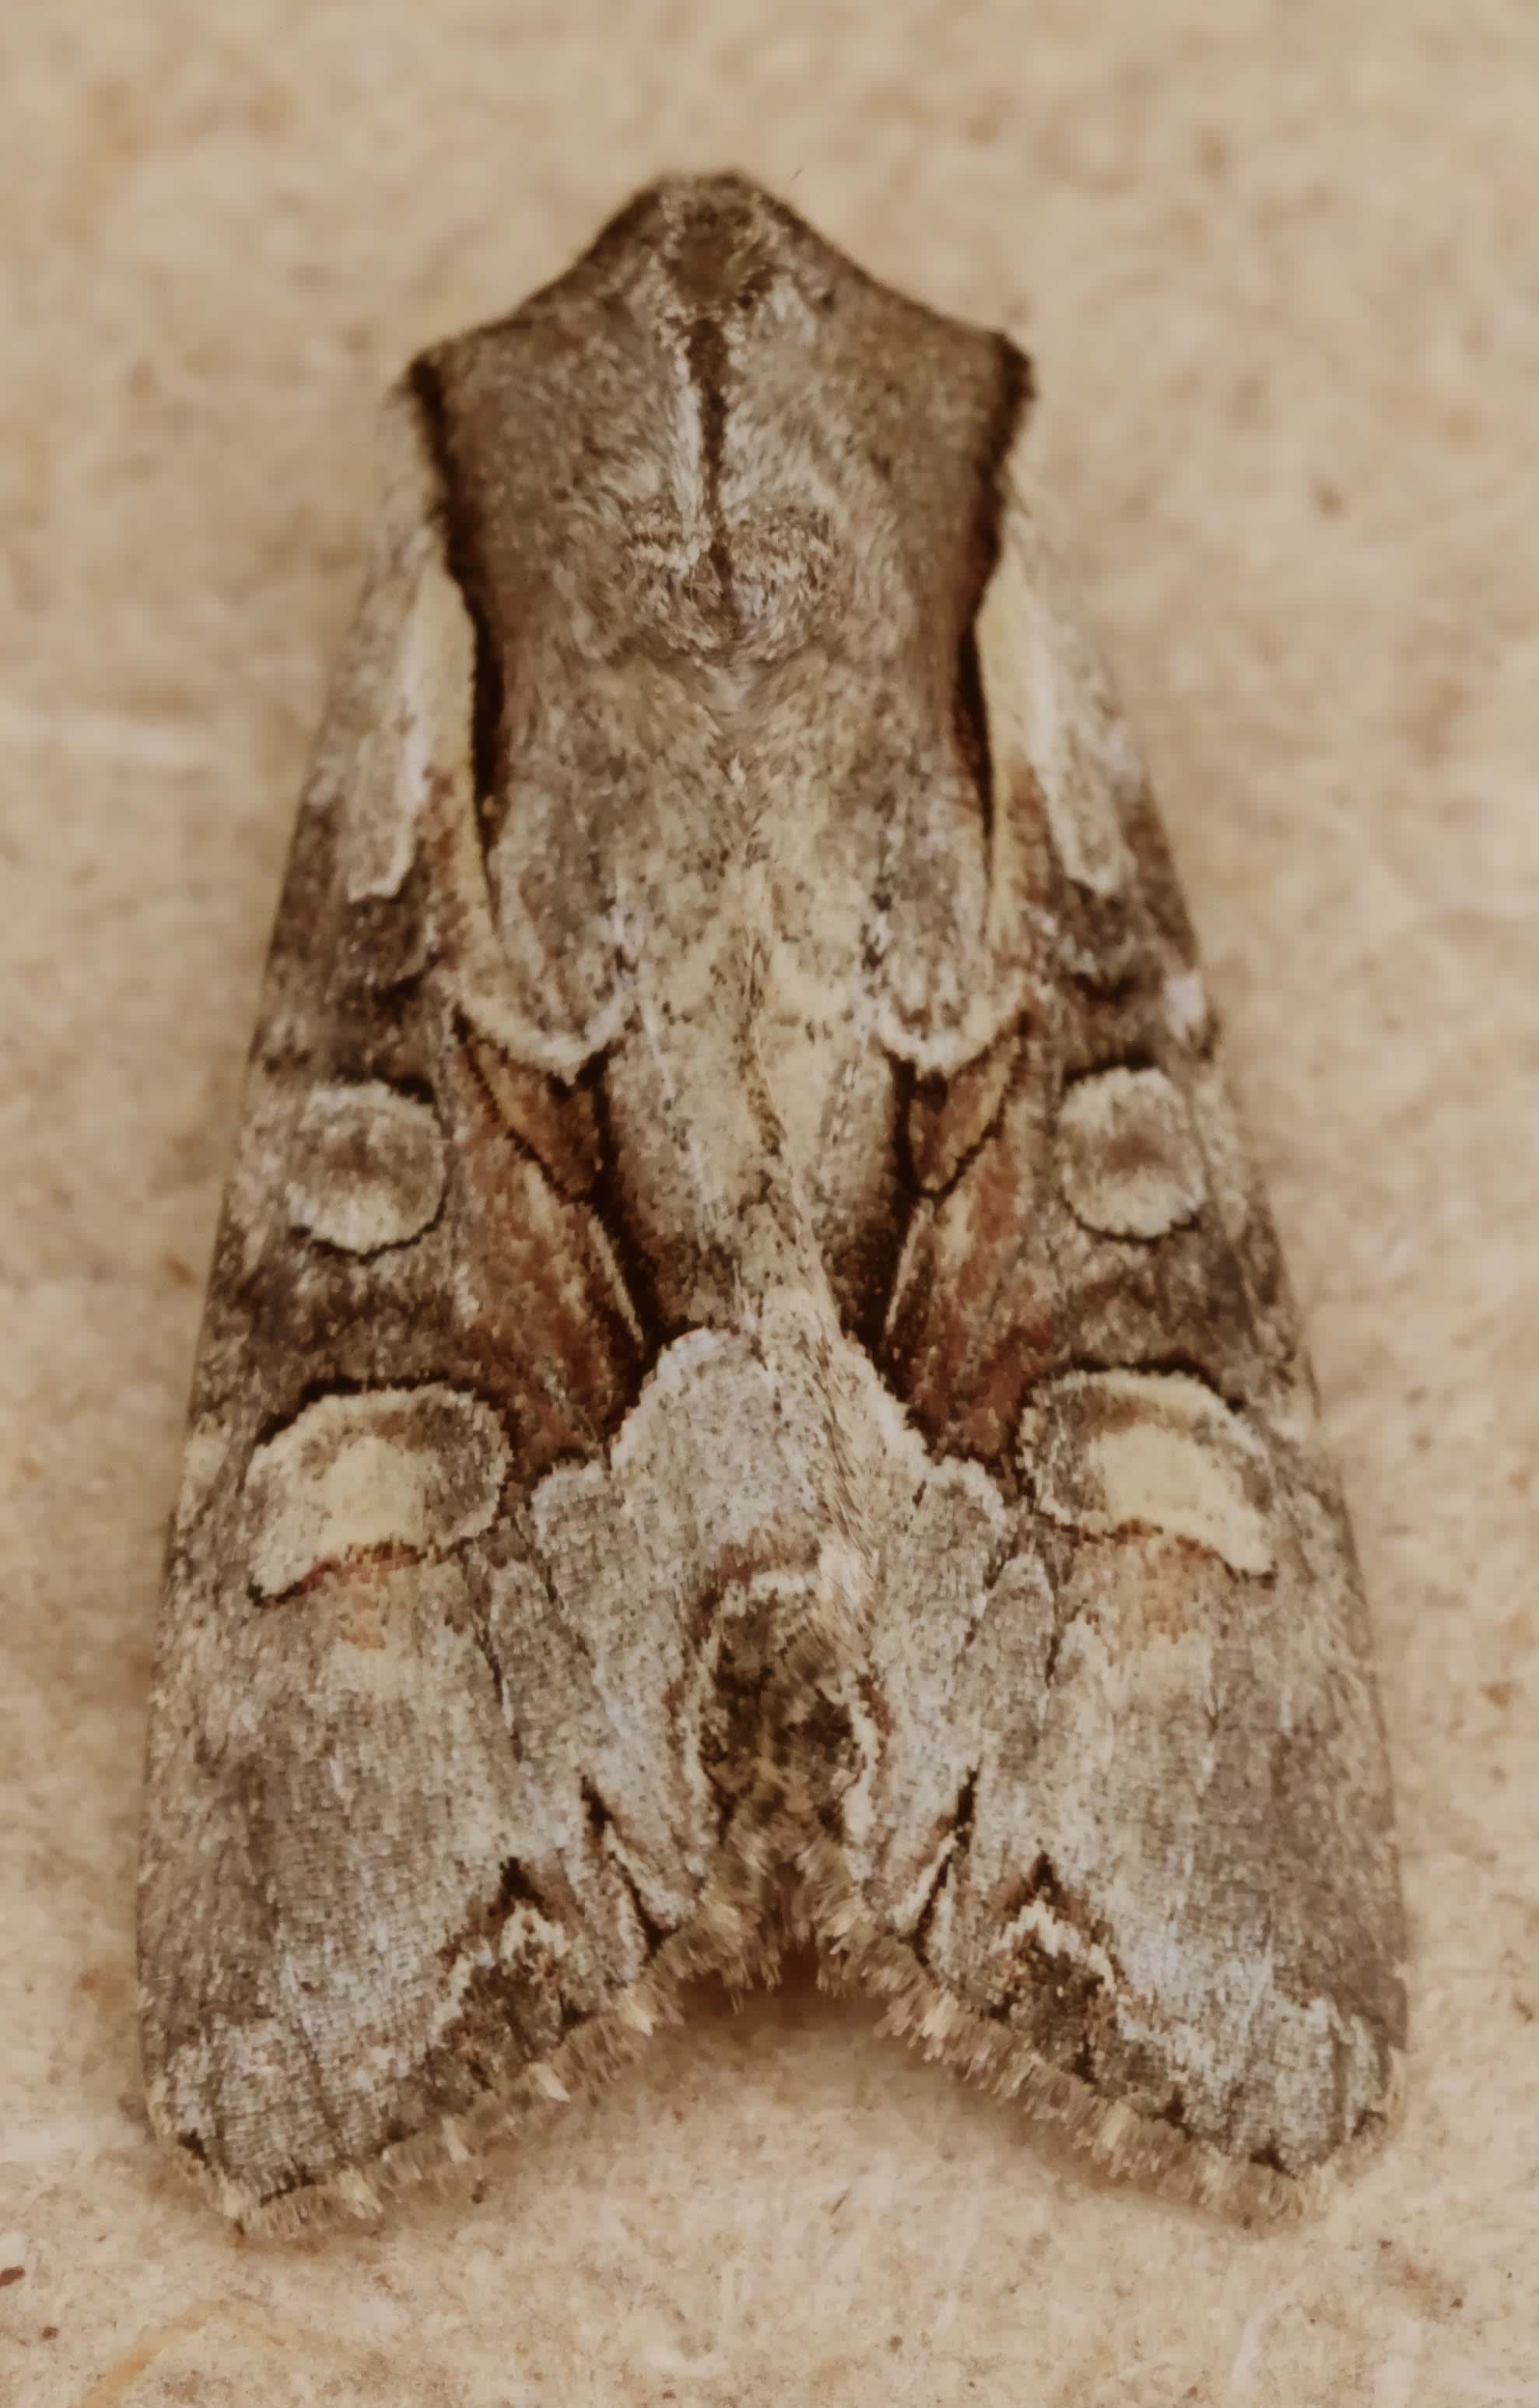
(1125, 1835)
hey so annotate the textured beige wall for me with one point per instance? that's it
(1277, 264)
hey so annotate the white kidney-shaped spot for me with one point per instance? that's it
(1110, 1451)
(1127, 1159)
(371, 1168)
(420, 1469)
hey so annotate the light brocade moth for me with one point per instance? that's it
(747, 1393)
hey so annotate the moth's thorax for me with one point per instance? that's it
(716, 437)
(720, 510)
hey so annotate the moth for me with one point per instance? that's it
(748, 1394)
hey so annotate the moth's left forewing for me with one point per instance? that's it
(1129, 1842)
(385, 1882)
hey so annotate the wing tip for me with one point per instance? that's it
(1143, 2152)
(721, 1940)
(588, 2059)
(727, 1941)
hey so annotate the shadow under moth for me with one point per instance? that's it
(747, 1393)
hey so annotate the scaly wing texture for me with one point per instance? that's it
(424, 1800)
(745, 1377)
(1123, 1839)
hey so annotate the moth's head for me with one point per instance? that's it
(718, 246)
(749, 444)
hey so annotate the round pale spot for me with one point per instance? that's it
(1128, 1158)
(1109, 1451)
(371, 1169)
(420, 1469)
